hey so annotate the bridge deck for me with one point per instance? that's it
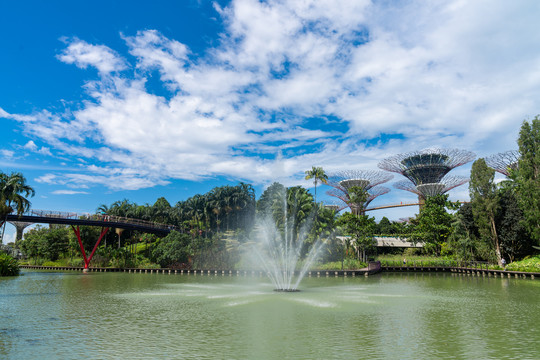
(43, 217)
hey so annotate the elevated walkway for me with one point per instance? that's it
(74, 219)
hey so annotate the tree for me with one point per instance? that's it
(361, 229)
(460, 241)
(527, 176)
(434, 224)
(14, 192)
(464, 241)
(299, 208)
(46, 243)
(13, 196)
(357, 198)
(485, 204)
(161, 211)
(172, 249)
(513, 236)
(317, 174)
(384, 227)
(271, 201)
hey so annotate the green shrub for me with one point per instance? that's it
(58, 263)
(77, 262)
(529, 264)
(8, 265)
(348, 264)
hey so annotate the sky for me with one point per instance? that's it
(108, 100)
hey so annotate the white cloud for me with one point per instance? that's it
(83, 54)
(68, 192)
(31, 146)
(446, 74)
(8, 154)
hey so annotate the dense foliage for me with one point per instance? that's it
(485, 203)
(8, 265)
(526, 176)
(173, 250)
(433, 225)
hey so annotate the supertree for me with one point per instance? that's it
(504, 162)
(342, 183)
(424, 190)
(427, 169)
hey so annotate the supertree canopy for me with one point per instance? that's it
(424, 190)
(365, 179)
(504, 162)
(368, 180)
(427, 170)
(428, 166)
(343, 195)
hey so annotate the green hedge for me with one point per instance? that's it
(8, 265)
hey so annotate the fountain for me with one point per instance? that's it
(279, 247)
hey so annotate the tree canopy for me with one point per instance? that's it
(527, 176)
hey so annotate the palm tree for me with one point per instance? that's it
(317, 174)
(299, 206)
(13, 196)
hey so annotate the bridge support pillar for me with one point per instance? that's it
(87, 260)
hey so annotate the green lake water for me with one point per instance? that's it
(70, 315)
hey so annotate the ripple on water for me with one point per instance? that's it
(314, 302)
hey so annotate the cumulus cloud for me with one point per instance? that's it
(338, 83)
(83, 54)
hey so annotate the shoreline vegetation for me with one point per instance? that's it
(499, 228)
(530, 264)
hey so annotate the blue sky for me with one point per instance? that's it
(106, 100)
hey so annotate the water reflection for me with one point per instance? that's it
(406, 316)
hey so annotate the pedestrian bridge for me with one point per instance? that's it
(75, 219)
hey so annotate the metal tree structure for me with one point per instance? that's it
(368, 180)
(424, 190)
(504, 162)
(427, 170)
(20, 226)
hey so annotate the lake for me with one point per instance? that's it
(68, 315)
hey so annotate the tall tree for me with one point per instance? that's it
(317, 174)
(299, 207)
(514, 237)
(434, 223)
(161, 211)
(485, 204)
(14, 192)
(361, 229)
(527, 176)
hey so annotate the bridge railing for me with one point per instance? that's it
(53, 214)
(124, 220)
(99, 217)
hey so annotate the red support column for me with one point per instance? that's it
(103, 232)
(77, 232)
